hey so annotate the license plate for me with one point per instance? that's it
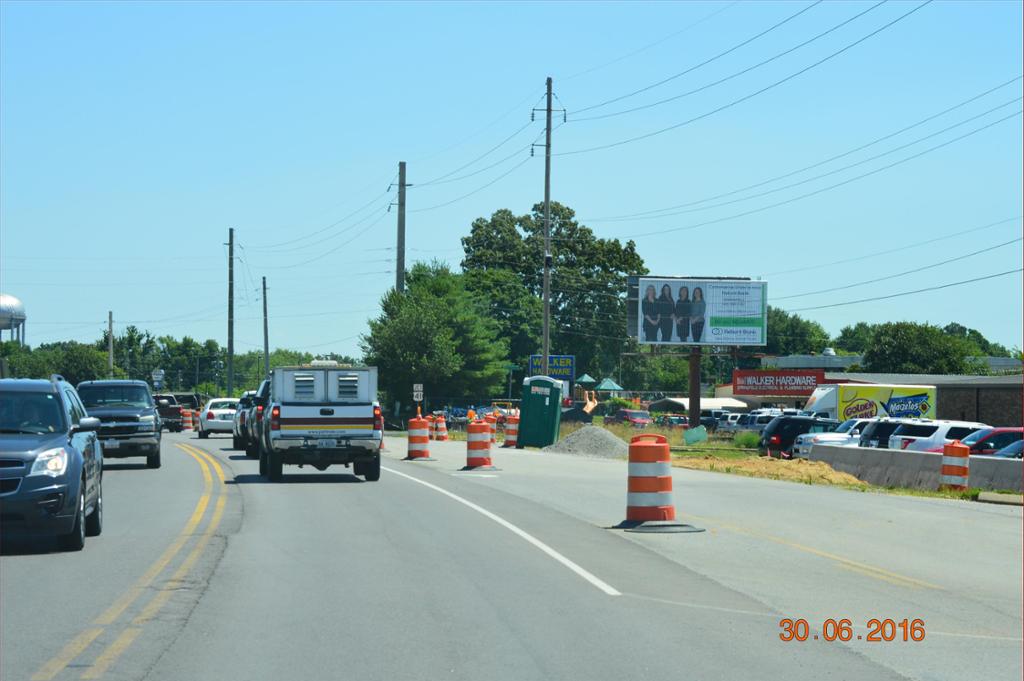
(225, 417)
(326, 444)
(111, 444)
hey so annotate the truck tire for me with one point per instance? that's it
(203, 434)
(153, 460)
(371, 470)
(274, 466)
(263, 464)
(252, 450)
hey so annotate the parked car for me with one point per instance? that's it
(51, 462)
(988, 441)
(876, 433)
(634, 417)
(931, 435)
(254, 420)
(758, 421)
(778, 436)
(170, 412)
(218, 416)
(731, 422)
(846, 435)
(1012, 451)
(238, 436)
(129, 422)
(673, 421)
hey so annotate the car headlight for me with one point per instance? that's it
(52, 462)
(147, 422)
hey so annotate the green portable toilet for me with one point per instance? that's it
(541, 412)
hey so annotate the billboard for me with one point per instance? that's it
(782, 383)
(562, 367)
(699, 311)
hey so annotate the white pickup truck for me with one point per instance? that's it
(322, 414)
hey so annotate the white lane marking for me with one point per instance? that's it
(600, 584)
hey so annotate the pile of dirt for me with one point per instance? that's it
(797, 470)
(591, 441)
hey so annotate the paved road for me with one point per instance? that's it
(205, 571)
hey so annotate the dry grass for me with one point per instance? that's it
(797, 470)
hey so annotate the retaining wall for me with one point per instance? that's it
(918, 470)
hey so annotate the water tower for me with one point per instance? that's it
(12, 316)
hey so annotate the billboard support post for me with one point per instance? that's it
(695, 386)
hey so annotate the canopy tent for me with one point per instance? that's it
(608, 385)
(682, 404)
(586, 379)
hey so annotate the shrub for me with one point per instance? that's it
(746, 440)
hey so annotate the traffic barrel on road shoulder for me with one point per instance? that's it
(431, 426)
(511, 431)
(492, 425)
(186, 419)
(419, 439)
(649, 491)
(955, 466)
(478, 445)
(442, 429)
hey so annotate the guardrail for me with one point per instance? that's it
(918, 470)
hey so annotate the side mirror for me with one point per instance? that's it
(88, 424)
(854, 433)
(163, 403)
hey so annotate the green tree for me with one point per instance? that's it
(910, 348)
(855, 338)
(791, 334)
(437, 335)
(979, 346)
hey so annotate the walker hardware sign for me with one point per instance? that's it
(783, 382)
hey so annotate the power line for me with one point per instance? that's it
(836, 170)
(478, 189)
(875, 254)
(748, 96)
(908, 293)
(701, 64)
(648, 46)
(616, 218)
(438, 180)
(383, 214)
(902, 274)
(829, 187)
(737, 74)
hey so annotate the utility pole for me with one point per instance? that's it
(266, 338)
(400, 246)
(695, 353)
(110, 344)
(547, 235)
(231, 311)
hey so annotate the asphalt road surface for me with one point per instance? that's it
(206, 571)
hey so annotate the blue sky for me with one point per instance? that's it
(133, 135)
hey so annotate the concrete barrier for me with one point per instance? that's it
(917, 470)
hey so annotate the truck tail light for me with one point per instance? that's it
(378, 419)
(774, 440)
(275, 418)
(210, 416)
(259, 413)
(905, 443)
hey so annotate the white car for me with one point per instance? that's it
(846, 435)
(218, 416)
(920, 437)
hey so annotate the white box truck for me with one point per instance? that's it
(320, 415)
(842, 401)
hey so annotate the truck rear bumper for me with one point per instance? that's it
(309, 451)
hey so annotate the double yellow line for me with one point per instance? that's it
(113, 614)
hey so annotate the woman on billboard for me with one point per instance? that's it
(697, 308)
(666, 308)
(651, 319)
(682, 314)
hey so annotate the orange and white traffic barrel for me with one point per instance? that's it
(492, 424)
(955, 466)
(478, 445)
(186, 419)
(649, 493)
(511, 431)
(442, 429)
(419, 439)
(431, 427)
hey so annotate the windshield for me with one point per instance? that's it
(230, 405)
(846, 426)
(114, 396)
(638, 415)
(915, 430)
(30, 413)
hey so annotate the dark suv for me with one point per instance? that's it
(129, 422)
(778, 437)
(51, 464)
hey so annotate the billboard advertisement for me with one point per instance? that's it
(701, 311)
(781, 383)
(866, 400)
(562, 367)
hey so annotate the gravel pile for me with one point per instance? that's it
(591, 441)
